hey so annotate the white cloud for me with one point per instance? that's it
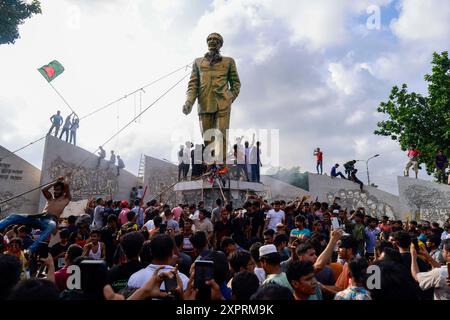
(420, 20)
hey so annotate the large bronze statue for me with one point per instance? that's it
(215, 83)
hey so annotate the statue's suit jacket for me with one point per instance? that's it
(215, 87)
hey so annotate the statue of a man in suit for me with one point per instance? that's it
(215, 83)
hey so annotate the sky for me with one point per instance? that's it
(314, 70)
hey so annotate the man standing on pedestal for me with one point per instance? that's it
(215, 83)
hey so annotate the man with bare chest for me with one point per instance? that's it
(47, 220)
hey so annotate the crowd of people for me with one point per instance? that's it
(244, 157)
(112, 160)
(69, 126)
(301, 249)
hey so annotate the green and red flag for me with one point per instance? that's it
(51, 70)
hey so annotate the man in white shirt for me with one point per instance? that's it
(161, 247)
(204, 224)
(98, 214)
(437, 278)
(274, 216)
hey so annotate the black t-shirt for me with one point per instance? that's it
(107, 236)
(118, 275)
(222, 229)
(423, 267)
(257, 221)
(56, 250)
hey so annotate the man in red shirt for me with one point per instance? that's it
(74, 251)
(319, 155)
(413, 155)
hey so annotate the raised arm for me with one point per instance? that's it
(46, 190)
(325, 256)
(414, 265)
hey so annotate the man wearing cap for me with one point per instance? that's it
(270, 261)
(215, 84)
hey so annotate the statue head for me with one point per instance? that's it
(215, 42)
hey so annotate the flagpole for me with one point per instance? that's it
(59, 94)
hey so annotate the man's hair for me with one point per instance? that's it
(10, 269)
(244, 285)
(280, 238)
(219, 202)
(74, 251)
(137, 202)
(112, 218)
(357, 268)
(59, 184)
(71, 219)
(254, 251)
(161, 246)
(348, 242)
(98, 200)
(220, 266)
(381, 245)
(297, 269)
(302, 248)
(269, 232)
(272, 291)
(434, 239)
(240, 259)
(446, 245)
(371, 219)
(132, 244)
(403, 239)
(413, 222)
(226, 241)
(95, 231)
(167, 212)
(130, 215)
(300, 218)
(179, 238)
(277, 202)
(146, 253)
(272, 259)
(391, 254)
(34, 289)
(157, 220)
(198, 240)
(64, 233)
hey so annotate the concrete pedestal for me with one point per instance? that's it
(198, 190)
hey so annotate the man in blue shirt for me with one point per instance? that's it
(57, 121)
(334, 172)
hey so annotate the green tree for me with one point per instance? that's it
(424, 122)
(12, 14)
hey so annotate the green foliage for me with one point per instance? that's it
(12, 14)
(424, 122)
(293, 176)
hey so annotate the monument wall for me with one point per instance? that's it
(376, 202)
(159, 176)
(16, 177)
(420, 199)
(279, 190)
(87, 181)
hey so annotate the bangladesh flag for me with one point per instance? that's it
(51, 70)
